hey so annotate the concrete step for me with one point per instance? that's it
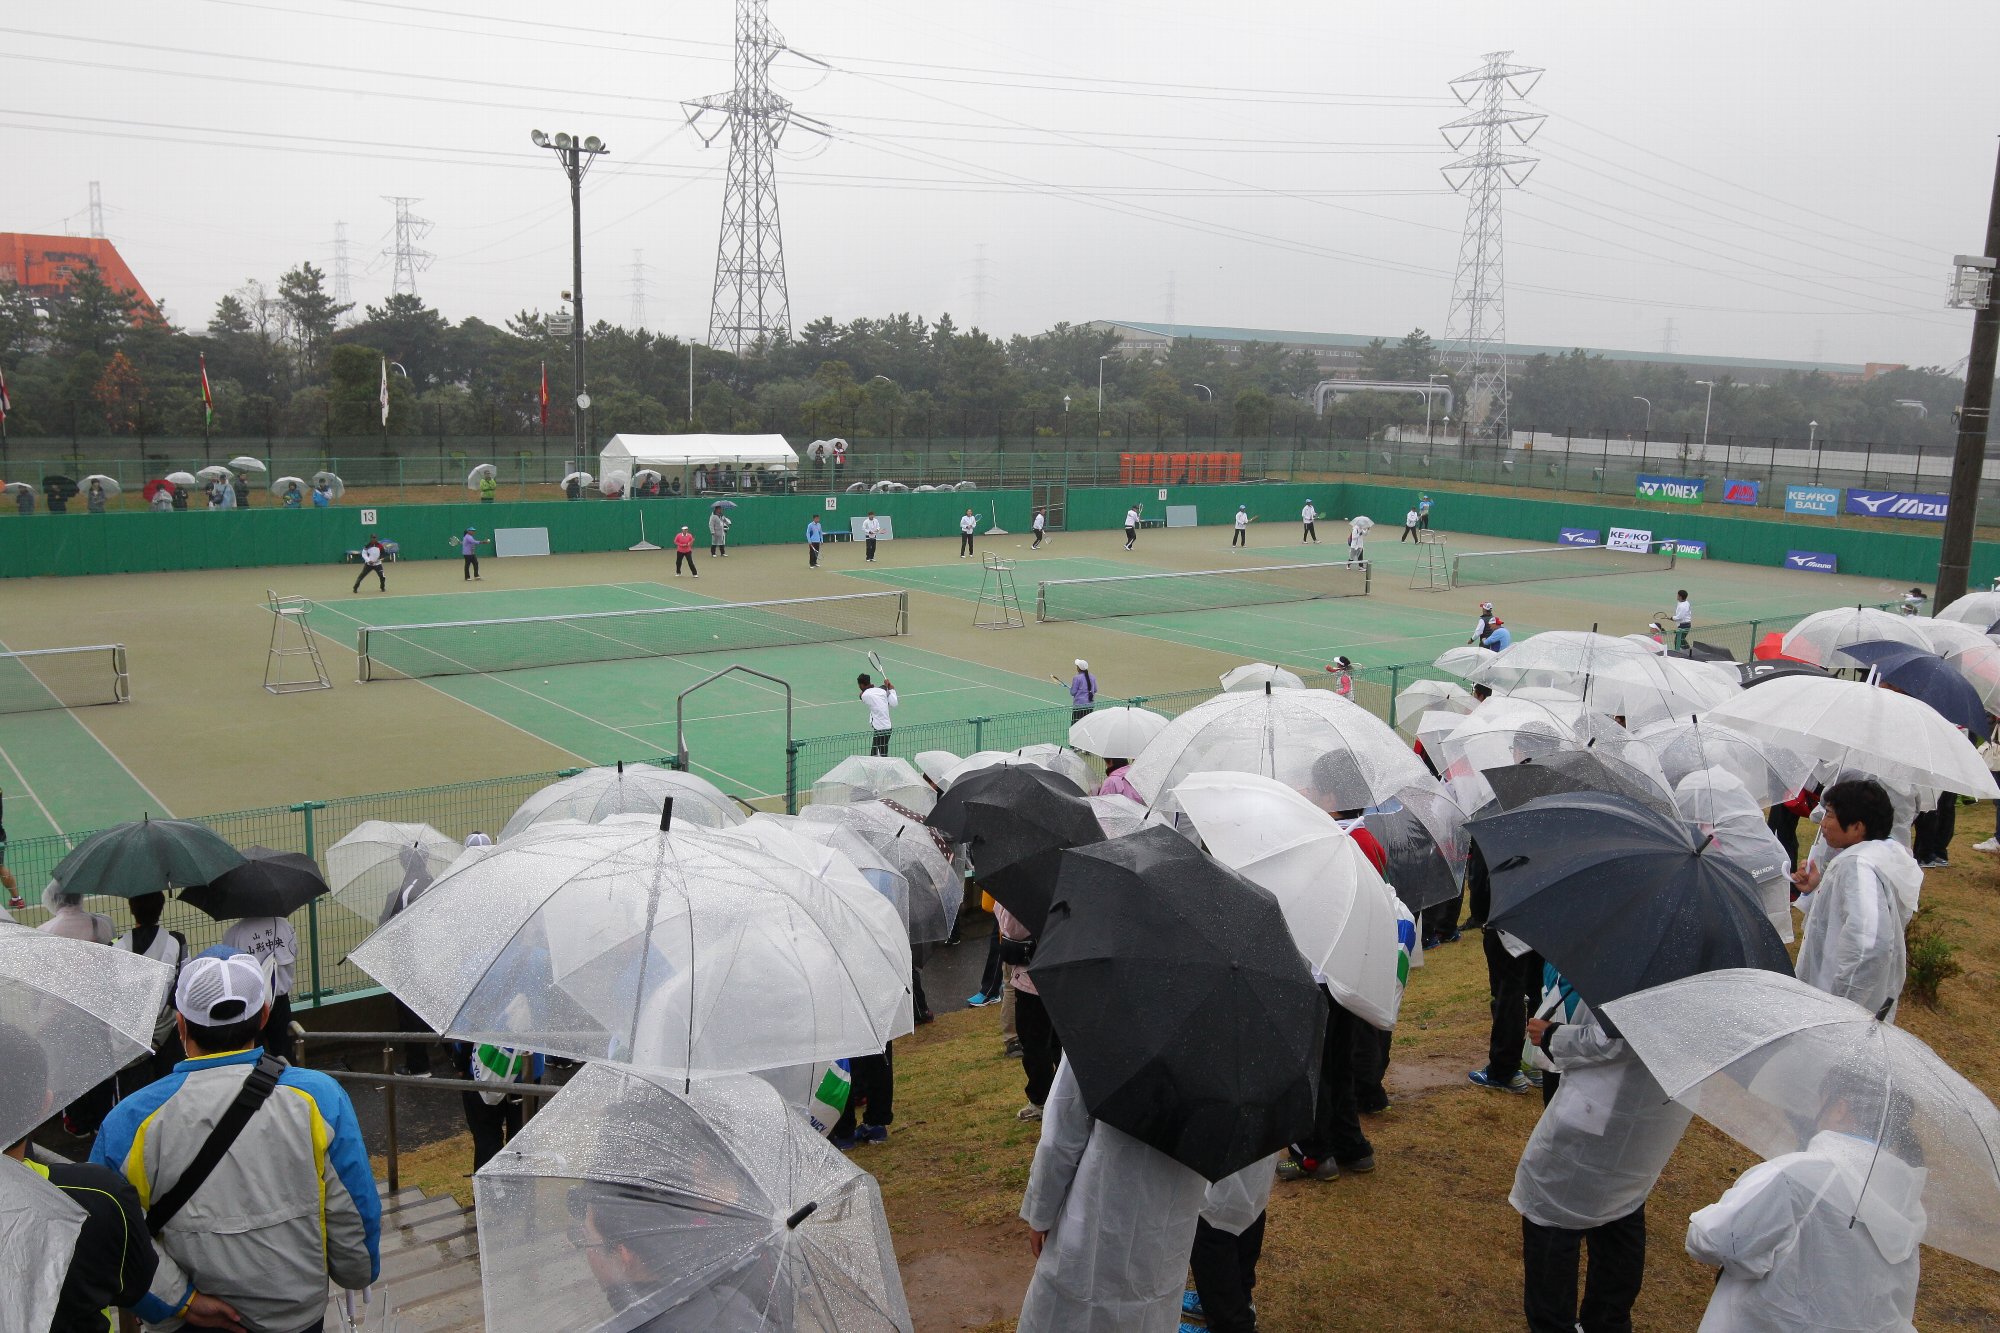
(430, 1271)
(412, 1215)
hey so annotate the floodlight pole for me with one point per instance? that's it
(576, 156)
(1974, 415)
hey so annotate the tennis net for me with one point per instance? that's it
(1196, 590)
(475, 647)
(1557, 562)
(50, 678)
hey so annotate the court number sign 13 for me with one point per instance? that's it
(367, 518)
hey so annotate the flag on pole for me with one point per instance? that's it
(6, 403)
(545, 395)
(207, 395)
(385, 393)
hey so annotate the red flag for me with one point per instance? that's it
(545, 394)
(207, 394)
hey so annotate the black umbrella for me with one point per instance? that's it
(1186, 1012)
(1418, 870)
(1016, 819)
(1619, 898)
(59, 488)
(146, 856)
(1756, 673)
(1703, 652)
(268, 883)
(1575, 771)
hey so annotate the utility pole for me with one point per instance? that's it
(751, 304)
(1972, 286)
(576, 156)
(407, 258)
(1476, 330)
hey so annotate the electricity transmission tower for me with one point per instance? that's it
(638, 315)
(343, 285)
(750, 304)
(409, 260)
(96, 210)
(1476, 331)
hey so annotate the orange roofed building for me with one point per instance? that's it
(42, 265)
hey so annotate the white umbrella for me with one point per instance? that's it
(1714, 799)
(632, 1201)
(26, 486)
(687, 951)
(786, 838)
(214, 472)
(1464, 661)
(1781, 1067)
(1116, 733)
(845, 841)
(1060, 759)
(1251, 677)
(484, 470)
(1819, 638)
(72, 1014)
(183, 479)
(110, 484)
(334, 485)
(872, 777)
(583, 479)
(615, 482)
(245, 463)
(625, 789)
(1424, 696)
(1901, 740)
(644, 475)
(979, 759)
(39, 1226)
(1337, 752)
(1980, 665)
(279, 484)
(1980, 609)
(1946, 636)
(1362, 523)
(936, 766)
(1769, 772)
(936, 887)
(375, 862)
(1342, 916)
(1646, 642)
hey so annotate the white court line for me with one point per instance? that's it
(28, 787)
(96, 740)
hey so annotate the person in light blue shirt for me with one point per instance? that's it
(1498, 638)
(322, 497)
(814, 536)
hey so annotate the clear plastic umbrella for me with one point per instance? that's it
(936, 887)
(1943, 636)
(831, 858)
(1769, 772)
(1980, 665)
(1060, 759)
(1117, 733)
(690, 952)
(626, 789)
(1336, 752)
(110, 484)
(979, 759)
(1424, 696)
(245, 463)
(183, 479)
(1980, 609)
(214, 472)
(334, 485)
(1819, 638)
(378, 859)
(1120, 815)
(1720, 804)
(72, 1014)
(1782, 1067)
(615, 482)
(930, 914)
(643, 476)
(634, 1202)
(1900, 740)
(480, 473)
(583, 479)
(936, 766)
(1341, 914)
(871, 777)
(1251, 678)
(1464, 661)
(280, 484)
(39, 1225)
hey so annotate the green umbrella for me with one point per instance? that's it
(146, 856)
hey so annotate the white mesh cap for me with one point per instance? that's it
(216, 991)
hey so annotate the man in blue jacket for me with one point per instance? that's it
(289, 1205)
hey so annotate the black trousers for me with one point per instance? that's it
(1041, 1049)
(1441, 919)
(278, 1028)
(990, 975)
(1310, 534)
(1515, 984)
(1424, 521)
(471, 566)
(1784, 825)
(683, 557)
(880, 745)
(1240, 537)
(871, 548)
(1409, 534)
(1336, 1120)
(1131, 536)
(1077, 715)
(1617, 1270)
(1932, 831)
(1225, 1275)
(380, 577)
(965, 543)
(812, 555)
(1037, 541)
(491, 1126)
(1371, 1066)
(874, 1083)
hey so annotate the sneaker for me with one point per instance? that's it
(1360, 1166)
(1191, 1304)
(980, 999)
(1186, 1327)
(1029, 1112)
(871, 1133)
(1990, 845)
(842, 1142)
(1012, 1050)
(1514, 1083)
(1534, 1077)
(1293, 1168)
(1377, 1109)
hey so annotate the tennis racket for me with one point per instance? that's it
(875, 660)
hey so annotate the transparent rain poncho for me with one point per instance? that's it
(687, 952)
(595, 793)
(1720, 804)
(871, 777)
(39, 1226)
(639, 1202)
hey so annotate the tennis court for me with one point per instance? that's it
(607, 710)
(56, 773)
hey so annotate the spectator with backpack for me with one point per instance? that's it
(149, 938)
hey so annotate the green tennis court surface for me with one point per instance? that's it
(56, 775)
(603, 711)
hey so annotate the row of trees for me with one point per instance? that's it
(287, 360)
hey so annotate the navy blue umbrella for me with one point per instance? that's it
(1924, 676)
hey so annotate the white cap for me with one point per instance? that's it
(1082, 665)
(216, 991)
(1486, 606)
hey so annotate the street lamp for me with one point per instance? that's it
(1208, 392)
(1100, 383)
(1649, 411)
(1705, 415)
(1065, 403)
(576, 156)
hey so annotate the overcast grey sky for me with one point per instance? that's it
(1785, 178)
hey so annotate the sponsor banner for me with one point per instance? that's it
(1687, 550)
(1919, 505)
(1821, 500)
(1578, 537)
(1631, 539)
(1680, 490)
(1742, 492)
(1819, 562)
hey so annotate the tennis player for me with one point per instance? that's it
(878, 699)
(468, 547)
(1309, 516)
(371, 563)
(1132, 526)
(966, 527)
(1241, 537)
(1041, 526)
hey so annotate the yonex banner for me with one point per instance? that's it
(1918, 505)
(1687, 550)
(1577, 537)
(1822, 500)
(1742, 492)
(1680, 490)
(1819, 562)
(1631, 539)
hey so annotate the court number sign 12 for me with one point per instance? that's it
(831, 504)
(367, 518)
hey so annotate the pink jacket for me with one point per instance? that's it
(1114, 784)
